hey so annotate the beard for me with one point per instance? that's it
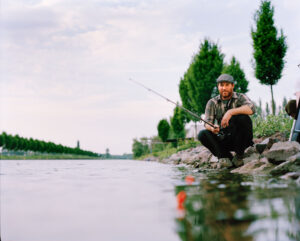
(226, 94)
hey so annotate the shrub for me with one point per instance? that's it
(163, 129)
(271, 124)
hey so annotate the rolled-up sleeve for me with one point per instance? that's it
(245, 100)
(210, 111)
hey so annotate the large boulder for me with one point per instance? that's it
(281, 151)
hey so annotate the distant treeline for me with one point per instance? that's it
(10, 142)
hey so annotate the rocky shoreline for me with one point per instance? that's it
(273, 156)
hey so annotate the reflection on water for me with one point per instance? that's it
(237, 208)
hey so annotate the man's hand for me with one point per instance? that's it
(226, 118)
(215, 129)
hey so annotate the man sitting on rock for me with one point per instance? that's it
(229, 113)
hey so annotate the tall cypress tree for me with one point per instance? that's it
(269, 49)
(240, 81)
(198, 83)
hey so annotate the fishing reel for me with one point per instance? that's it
(223, 134)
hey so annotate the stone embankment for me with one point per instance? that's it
(274, 155)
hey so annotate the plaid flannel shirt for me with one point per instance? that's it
(215, 107)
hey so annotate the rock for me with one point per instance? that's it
(213, 159)
(186, 158)
(175, 158)
(151, 159)
(224, 163)
(196, 164)
(258, 140)
(265, 144)
(249, 151)
(291, 175)
(166, 161)
(177, 161)
(254, 156)
(197, 149)
(281, 151)
(205, 155)
(279, 136)
(295, 159)
(254, 167)
(291, 165)
(237, 161)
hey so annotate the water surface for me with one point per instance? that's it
(109, 200)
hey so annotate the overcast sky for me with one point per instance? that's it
(65, 64)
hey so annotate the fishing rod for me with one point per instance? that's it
(181, 107)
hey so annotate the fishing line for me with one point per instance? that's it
(181, 107)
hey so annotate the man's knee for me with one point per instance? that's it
(241, 120)
(203, 135)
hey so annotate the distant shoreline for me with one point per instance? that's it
(47, 157)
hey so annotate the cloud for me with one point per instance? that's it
(65, 64)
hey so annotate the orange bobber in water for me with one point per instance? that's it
(189, 180)
(180, 200)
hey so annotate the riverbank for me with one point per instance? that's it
(274, 156)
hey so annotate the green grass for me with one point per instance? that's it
(169, 150)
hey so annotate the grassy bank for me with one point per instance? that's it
(262, 127)
(169, 149)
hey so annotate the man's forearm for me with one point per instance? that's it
(242, 110)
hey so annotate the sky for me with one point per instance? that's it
(65, 64)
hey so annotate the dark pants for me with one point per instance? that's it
(238, 136)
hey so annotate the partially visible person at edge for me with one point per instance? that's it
(229, 113)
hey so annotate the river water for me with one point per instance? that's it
(112, 200)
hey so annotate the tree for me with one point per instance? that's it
(186, 100)
(269, 49)
(163, 128)
(200, 78)
(139, 148)
(1, 140)
(284, 103)
(259, 111)
(107, 154)
(267, 109)
(177, 123)
(9, 143)
(234, 69)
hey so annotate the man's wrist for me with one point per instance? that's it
(231, 112)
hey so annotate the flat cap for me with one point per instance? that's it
(225, 78)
